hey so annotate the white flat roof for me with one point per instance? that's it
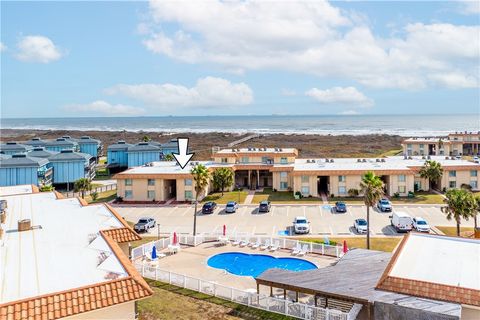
(257, 150)
(164, 167)
(443, 260)
(57, 255)
(11, 190)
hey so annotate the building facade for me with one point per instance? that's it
(20, 169)
(455, 144)
(280, 170)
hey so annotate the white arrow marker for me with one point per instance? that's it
(182, 157)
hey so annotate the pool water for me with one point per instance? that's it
(244, 264)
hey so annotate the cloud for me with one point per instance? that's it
(469, 7)
(455, 80)
(207, 92)
(105, 108)
(349, 113)
(37, 49)
(310, 37)
(340, 96)
(2, 47)
(288, 92)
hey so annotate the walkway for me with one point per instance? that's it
(249, 197)
(324, 197)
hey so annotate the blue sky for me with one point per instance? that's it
(167, 58)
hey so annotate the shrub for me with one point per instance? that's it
(353, 192)
(274, 190)
(332, 195)
(46, 188)
(94, 195)
(298, 193)
(396, 195)
(119, 199)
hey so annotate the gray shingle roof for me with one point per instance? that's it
(35, 142)
(61, 142)
(87, 139)
(40, 152)
(120, 145)
(69, 155)
(144, 146)
(21, 160)
(13, 146)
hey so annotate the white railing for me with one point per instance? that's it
(284, 243)
(250, 299)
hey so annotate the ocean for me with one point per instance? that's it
(403, 125)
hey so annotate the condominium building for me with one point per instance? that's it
(455, 144)
(279, 169)
(62, 258)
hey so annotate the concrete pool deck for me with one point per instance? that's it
(192, 262)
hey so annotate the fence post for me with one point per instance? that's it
(184, 281)
(156, 278)
(214, 290)
(268, 303)
(231, 294)
(323, 249)
(169, 277)
(286, 306)
(336, 250)
(284, 243)
(311, 246)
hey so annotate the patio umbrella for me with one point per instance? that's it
(345, 247)
(224, 230)
(154, 252)
(174, 238)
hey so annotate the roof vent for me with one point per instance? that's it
(331, 160)
(66, 137)
(377, 160)
(67, 151)
(24, 225)
(38, 149)
(364, 160)
(10, 143)
(233, 150)
(35, 139)
(60, 139)
(85, 137)
(383, 160)
(143, 143)
(19, 155)
(308, 161)
(121, 142)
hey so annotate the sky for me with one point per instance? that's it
(159, 58)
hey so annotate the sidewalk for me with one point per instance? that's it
(249, 197)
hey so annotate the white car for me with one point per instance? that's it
(420, 224)
(360, 225)
(231, 207)
(301, 225)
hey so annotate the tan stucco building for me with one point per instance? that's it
(280, 170)
(455, 144)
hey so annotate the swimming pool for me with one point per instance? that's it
(244, 264)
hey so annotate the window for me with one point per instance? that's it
(224, 160)
(341, 178)
(128, 182)
(283, 185)
(188, 195)
(409, 146)
(473, 173)
(473, 184)
(305, 179)
(452, 173)
(283, 175)
(401, 178)
(452, 184)
(305, 191)
(188, 182)
(401, 189)
(150, 194)
(264, 159)
(421, 146)
(151, 182)
(244, 160)
(342, 190)
(128, 194)
(283, 160)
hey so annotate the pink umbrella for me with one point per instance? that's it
(224, 230)
(175, 238)
(345, 247)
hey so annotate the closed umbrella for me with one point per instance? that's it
(224, 230)
(175, 238)
(345, 247)
(154, 252)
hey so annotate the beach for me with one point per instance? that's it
(308, 145)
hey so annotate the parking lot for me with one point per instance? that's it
(323, 220)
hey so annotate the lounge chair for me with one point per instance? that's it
(266, 245)
(243, 243)
(256, 244)
(304, 250)
(275, 246)
(296, 250)
(236, 242)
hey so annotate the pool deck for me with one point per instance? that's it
(192, 261)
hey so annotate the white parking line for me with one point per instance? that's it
(331, 230)
(288, 209)
(186, 211)
(272, 210)
(304, 212)
(273, 230)
(253, 231)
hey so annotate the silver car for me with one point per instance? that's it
(231, 207)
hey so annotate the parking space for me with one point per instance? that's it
(247, 219)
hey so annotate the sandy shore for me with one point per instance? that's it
(202, 143)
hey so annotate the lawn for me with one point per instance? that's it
(238, 196)
(391, 153)
(103, 196)
(421, 197)
(379, 243)
(280, 197)
(171, 302)
(452, 231)
(356, 200)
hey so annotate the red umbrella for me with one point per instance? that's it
(174, 238)
(224, 230)
(345, 247)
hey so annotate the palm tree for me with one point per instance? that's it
(459, 204)
(372, 190)
(223, 178)
(82, 185)
(146, 138)
(475, 222)
(433, 171)
(201, 176)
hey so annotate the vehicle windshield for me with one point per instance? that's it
(362, 222)
(263, 203)
(230, 204)
(341, 204)
(208, 205)
(384, 201)
(301, 221)
(142, 221)
(422, 222)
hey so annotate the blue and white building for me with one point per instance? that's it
(61, 144)
(21, 169)
(13, 147)
(69, 166)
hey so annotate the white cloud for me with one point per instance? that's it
(349, 113)
(207, 92)
(340, 96)
(37, 49)
(455, 80)
(469, 7)
(105, 108)
(288, 92)
(310, 37)
(2, 47)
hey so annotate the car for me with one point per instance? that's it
(231, 207)
(401, 221)
(360, 225)
(264, 206)
(301, 225)
(384, 205)
(144, 224)
(209, 207)
(420, 224)
(340, 206)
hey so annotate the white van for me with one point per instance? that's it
(401, 221)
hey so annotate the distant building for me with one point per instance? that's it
(14, 148)
(61, 258)
(69, 166)
(455, 144)
(60, 144)
(20, 169)
(85, 144)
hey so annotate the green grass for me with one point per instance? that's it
(386, 244)
(280, 197)
(103, 196)
(421, 197)
(466, 232)
(172, 302)
(391, 153)
(227, 196)
(355, 200)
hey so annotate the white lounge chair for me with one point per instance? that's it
(256, 244)
(296, 250)
(243, 243)
(266, 245)
(236, 242)
(275, 247)
(304, 250)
